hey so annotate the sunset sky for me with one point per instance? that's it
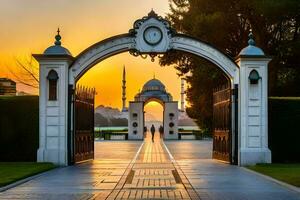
(30, 26)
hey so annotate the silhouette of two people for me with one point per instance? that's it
(152, 129)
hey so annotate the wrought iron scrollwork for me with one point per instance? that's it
(152, 55)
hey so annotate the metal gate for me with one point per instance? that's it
(222, 124)
(84, 124)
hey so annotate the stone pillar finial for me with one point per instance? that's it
(57, 38)
(251, 40)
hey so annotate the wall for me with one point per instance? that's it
(136, 116)
(171, 116)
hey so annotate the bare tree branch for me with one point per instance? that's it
(26, 72)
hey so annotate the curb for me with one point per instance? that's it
(288, 186)
(19, 182)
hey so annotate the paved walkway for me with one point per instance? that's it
(153, 175)
(215, 180)
(136, 170)
(88, 180)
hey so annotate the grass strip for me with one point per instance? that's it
(13, 171)
(288, 173)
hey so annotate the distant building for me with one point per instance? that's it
(7, 87)
(22, 93)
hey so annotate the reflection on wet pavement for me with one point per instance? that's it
(150, 170)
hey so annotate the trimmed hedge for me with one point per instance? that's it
(19, 128)
(284, 132)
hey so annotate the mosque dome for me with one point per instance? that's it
(153, 89)
(154, 85)
(57, 49)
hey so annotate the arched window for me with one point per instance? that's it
(254, 77)
(52, 78)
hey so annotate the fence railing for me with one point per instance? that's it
(111, 135)
(123, 135)
(197, 134)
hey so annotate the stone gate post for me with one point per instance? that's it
(253, 105)
(53, 103)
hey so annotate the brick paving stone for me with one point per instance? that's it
(153, 168)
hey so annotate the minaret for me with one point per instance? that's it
(124, 109)
(182, 95)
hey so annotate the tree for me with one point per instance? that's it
(226, 25)
(26, 72)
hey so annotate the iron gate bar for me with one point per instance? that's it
(84, 124)
(70, 123)
(222, 136)
(236, 126)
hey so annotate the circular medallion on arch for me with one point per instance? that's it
(152, 35)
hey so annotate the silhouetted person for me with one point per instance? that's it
(152, 132)
(161, 131)
(145, 131)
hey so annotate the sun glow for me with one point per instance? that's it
(23, 33)
(30, 26)
(153, 111)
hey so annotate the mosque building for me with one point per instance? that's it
(152, 90)
(153, 87)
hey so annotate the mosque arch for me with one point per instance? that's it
(153, 90)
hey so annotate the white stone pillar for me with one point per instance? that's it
(136, 121)
(171, 120)
(53, 112)
(253, 105)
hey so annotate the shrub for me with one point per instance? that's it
(19, 128)
(284, 135)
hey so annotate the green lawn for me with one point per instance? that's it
(289, 173)
(14, 171)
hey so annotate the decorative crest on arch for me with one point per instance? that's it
(142, 47)
(152, 14)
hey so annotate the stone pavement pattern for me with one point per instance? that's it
(127, 170)
(83, 181)
(219, 181)
(153, 175)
